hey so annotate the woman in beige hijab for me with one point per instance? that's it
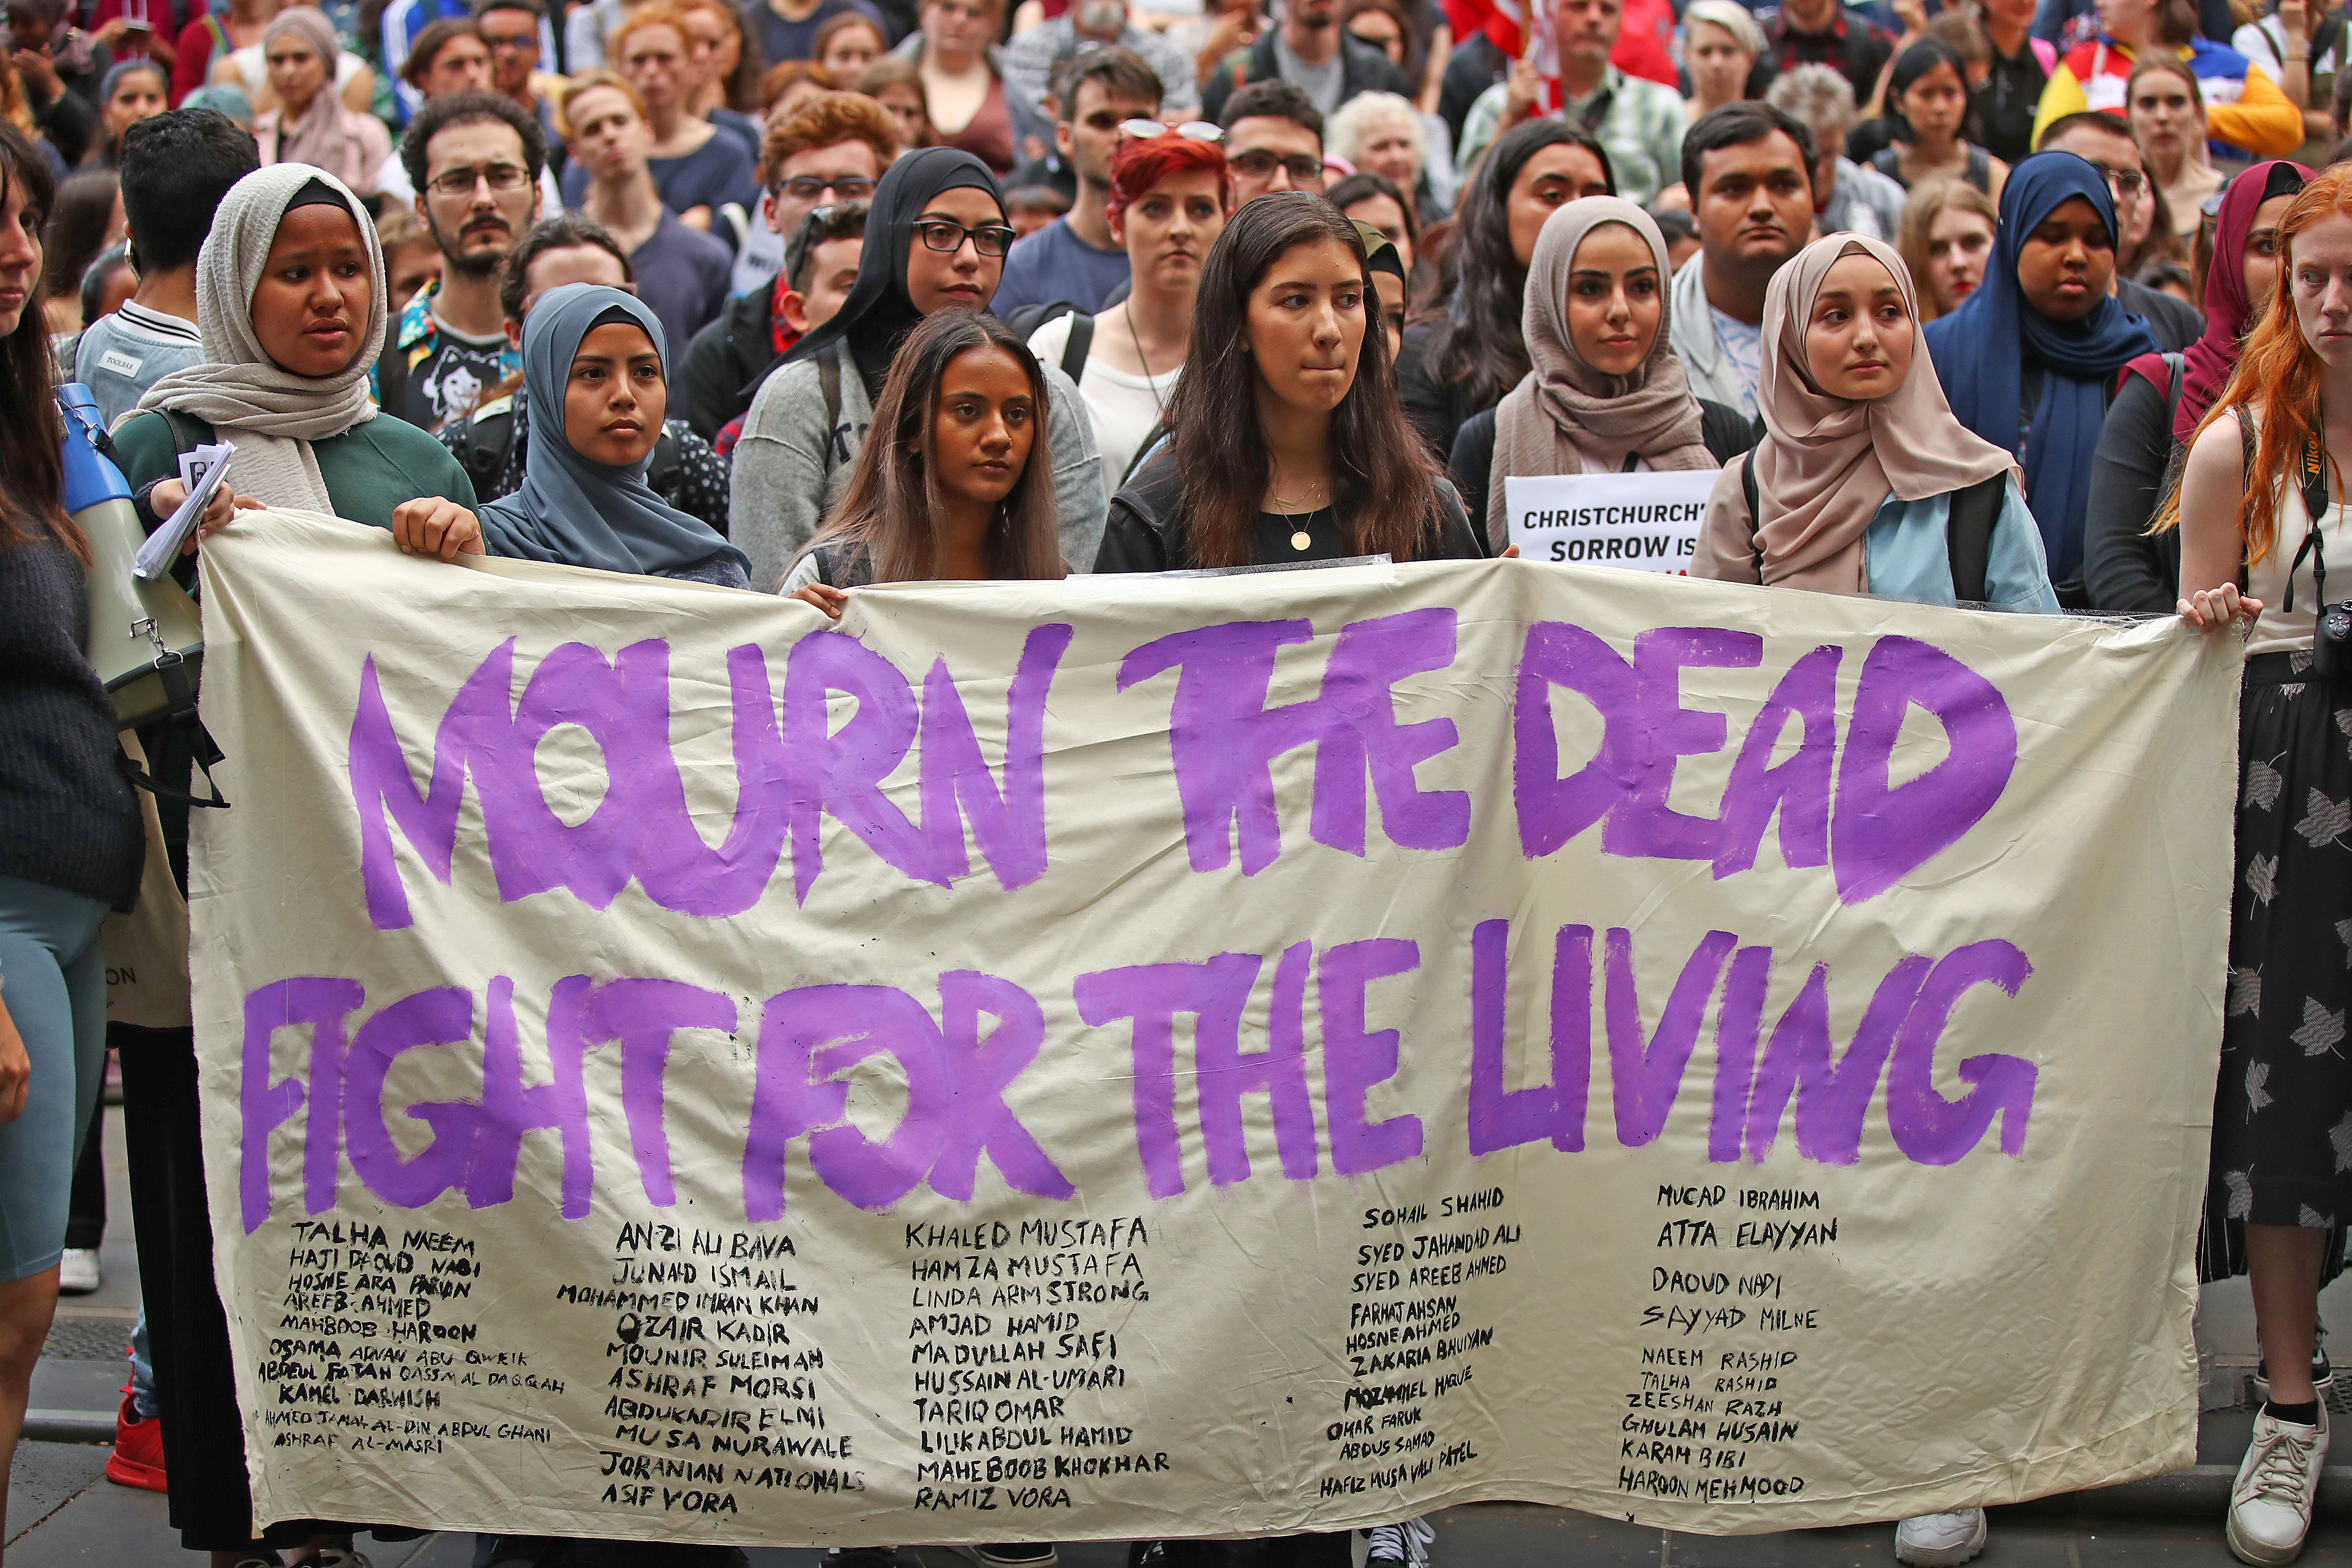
(1605, 393)
(312, 125)
(1863, 466)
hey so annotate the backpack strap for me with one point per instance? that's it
(1081, 343)
(828, 380)
(1967, 535)
(2176, 371)
(1747, 461)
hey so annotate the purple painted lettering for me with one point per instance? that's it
(1355, 1057)
(1645, 1074)
(468, 738)
(321, 1005)
(979, 1121)
(1215, 993)
(1927, 1127)
(1879, 834)
(842, 772)
(1831, 1097)
(1502, 1118)
(1664, 733)
(1009, 825)
(1553, 810)
(1362, 736)
(1223, 1072)
(441, 1016)
(1799, 787)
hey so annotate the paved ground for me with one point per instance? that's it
(61, 1511)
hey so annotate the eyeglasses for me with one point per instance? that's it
(2128, 183)
(1259, 164)
(1191, 129)
(989, 239)
(807, 187)
(461, 182)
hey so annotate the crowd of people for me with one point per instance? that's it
(2037, 307)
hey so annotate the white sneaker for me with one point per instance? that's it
(78, 1272)
(1405, 1544)
(1933, 1540)
(2269, 1507)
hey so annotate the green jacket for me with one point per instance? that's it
(370, 468)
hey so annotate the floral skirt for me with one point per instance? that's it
(2283, 1106)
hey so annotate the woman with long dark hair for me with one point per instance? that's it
(70, 843)
(85, 219)
(955, 493)
(935, 240)
(2262, 517)
(1928, 111)
(1470, 352)
(1290, 444)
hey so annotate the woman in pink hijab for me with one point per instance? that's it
(1862, 470)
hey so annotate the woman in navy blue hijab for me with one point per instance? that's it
(2028, 359)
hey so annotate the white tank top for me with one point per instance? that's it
(2276, 630)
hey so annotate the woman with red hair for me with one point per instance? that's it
(2266, 537)
(1170, 197)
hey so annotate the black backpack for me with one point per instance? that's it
(1025, 322)
(1967, 537)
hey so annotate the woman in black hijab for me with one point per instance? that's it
(935, 239)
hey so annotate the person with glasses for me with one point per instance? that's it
(518, 34)
(935, 240)
(2104, 141)
(830, 151)
(1075, 258)
(1273, 140)
(475, 160)
(684, 271)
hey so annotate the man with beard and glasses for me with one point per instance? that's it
(1312, 52)
(475, 160)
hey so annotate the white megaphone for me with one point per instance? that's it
(145, 637)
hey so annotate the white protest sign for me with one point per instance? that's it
(1646, 522)
(1245, 1055)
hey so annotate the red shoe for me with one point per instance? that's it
(138, 1456)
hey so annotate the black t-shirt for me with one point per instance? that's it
(1145, 530)
(446, 382)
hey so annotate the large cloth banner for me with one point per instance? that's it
(1149, 1057)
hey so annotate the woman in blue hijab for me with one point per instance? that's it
(594, 362)
(2028, 359)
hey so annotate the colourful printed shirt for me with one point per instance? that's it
(442, 373)
(1639, 122)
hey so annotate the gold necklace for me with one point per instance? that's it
(1300, 539)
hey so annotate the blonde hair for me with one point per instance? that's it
(1732, 17)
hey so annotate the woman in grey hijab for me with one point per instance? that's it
(595, 384)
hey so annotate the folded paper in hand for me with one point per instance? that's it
(202, 471)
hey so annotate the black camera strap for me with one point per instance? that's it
(2315, 506)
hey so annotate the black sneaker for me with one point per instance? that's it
(1404, 1544)
(2323, 1377)
(1010, 1554)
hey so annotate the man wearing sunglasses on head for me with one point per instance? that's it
(1074, 259)
(935, 240)
(831, 149)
